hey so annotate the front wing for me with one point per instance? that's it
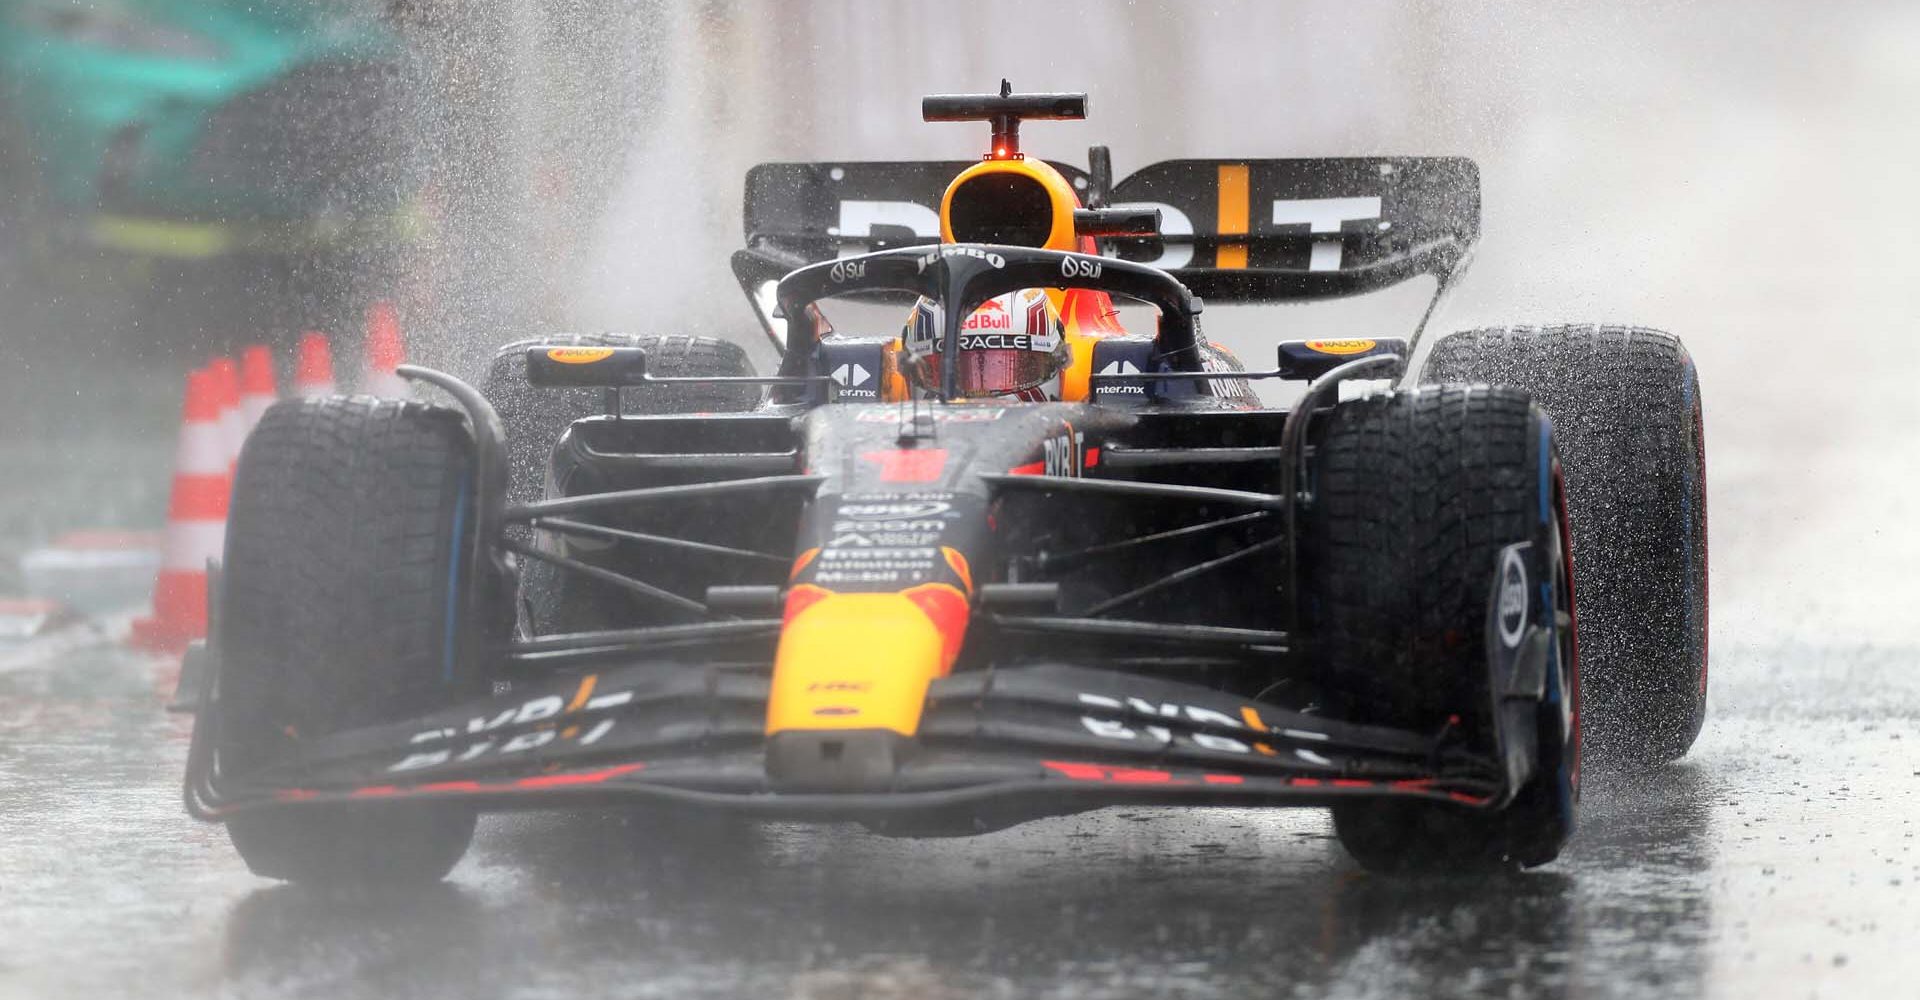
(994, 747)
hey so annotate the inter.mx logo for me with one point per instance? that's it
(1120, 368)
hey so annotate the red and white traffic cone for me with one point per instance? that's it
(313, 372)
(226, 387)
(196, 524)
(257, 389)
(384, 354)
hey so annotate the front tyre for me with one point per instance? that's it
(350, 548)
(1415, 496)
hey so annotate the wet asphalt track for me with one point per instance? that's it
(1724, 173)
(1779, 860)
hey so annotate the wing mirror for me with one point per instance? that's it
(1309, 359)
(1116, 223)
(606, 367)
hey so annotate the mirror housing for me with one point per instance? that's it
(1117, 223)
(1310, 359)
(606, 367)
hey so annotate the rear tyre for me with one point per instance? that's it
(1625, 404)
(1415, 496)
(535, 417)
(349, 545)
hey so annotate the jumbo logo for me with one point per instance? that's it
(578, 355)
(990, 257)
(1341, 346)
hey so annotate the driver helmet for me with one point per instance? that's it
(1012, 345)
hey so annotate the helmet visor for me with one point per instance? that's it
(1008, 345)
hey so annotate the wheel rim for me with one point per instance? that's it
(1567, 652)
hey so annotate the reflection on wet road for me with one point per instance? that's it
(1778, 858)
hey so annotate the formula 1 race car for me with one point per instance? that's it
(978, 552)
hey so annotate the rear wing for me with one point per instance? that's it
(1278, 230)
(1232, 230)
(819, 211)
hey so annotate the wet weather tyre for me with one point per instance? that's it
(534, 417)
(1415, 495)
(349, 549)
(1625, 404)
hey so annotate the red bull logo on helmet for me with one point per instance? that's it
(991, 326)
(992, 315)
